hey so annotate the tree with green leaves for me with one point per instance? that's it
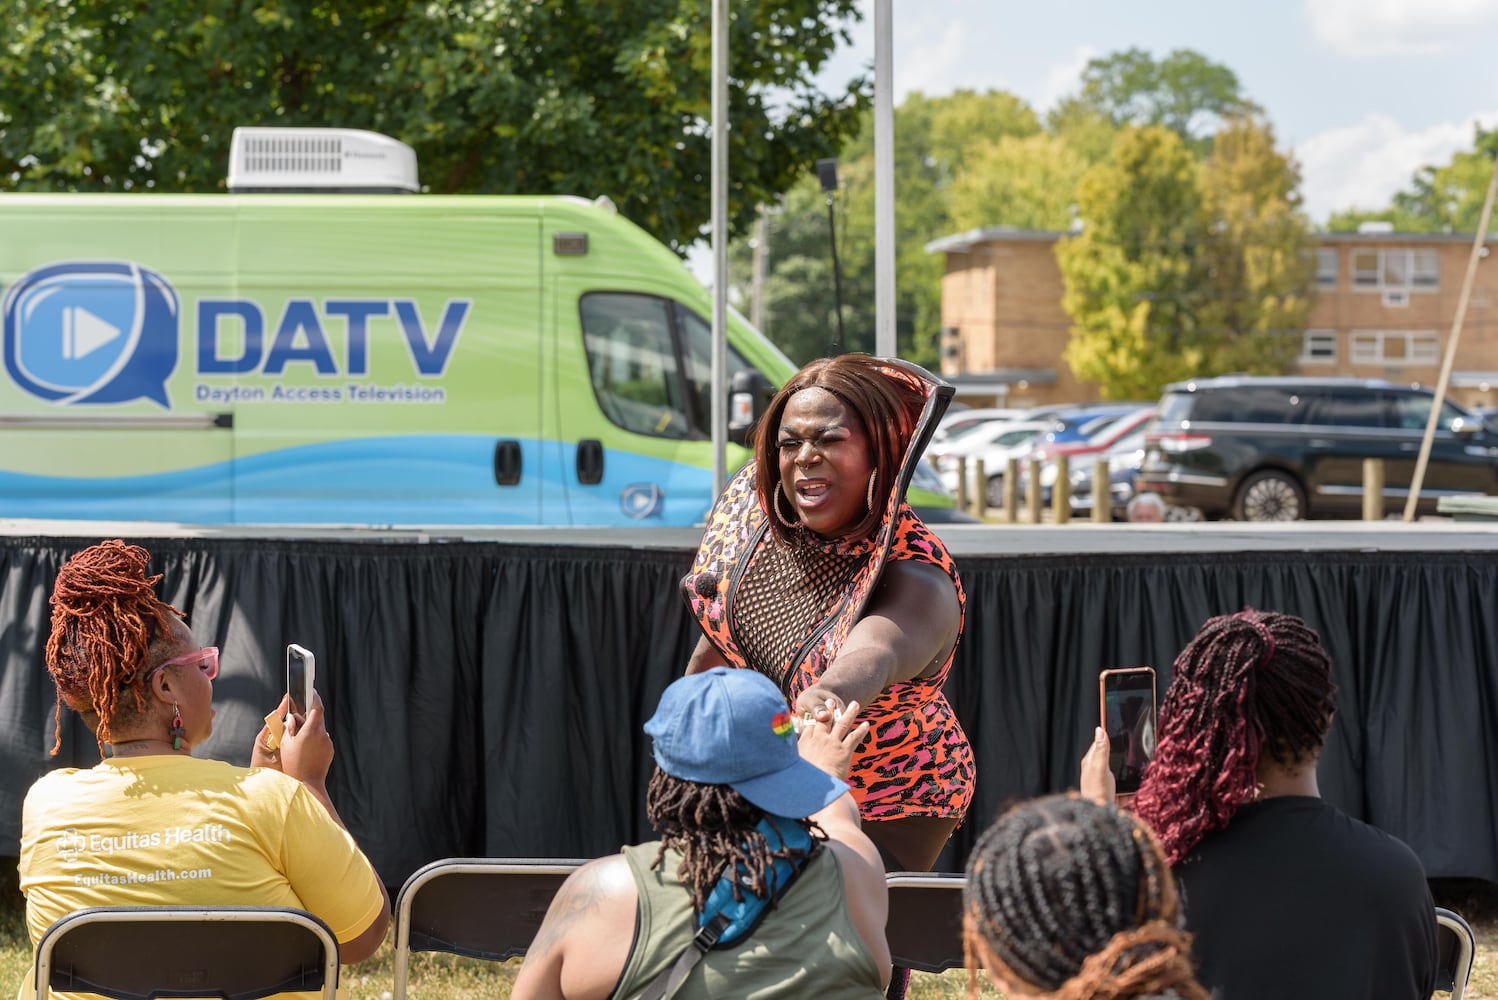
(1440, 199)
(933, 138)
(1023, 183)
(1185, 92)
(1133, 274)
(1258, 254)
(610, 98)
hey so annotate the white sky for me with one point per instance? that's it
(1362, 91)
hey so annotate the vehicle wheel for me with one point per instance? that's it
(995, 491)
(1270, 495)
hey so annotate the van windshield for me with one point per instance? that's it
(1234, 404)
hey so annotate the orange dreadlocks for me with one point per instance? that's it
(105, 614)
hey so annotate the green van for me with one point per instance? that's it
(356, 359)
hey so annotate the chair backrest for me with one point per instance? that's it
(1456, 946)
(925, 920)
(487, 908)
(233, 952)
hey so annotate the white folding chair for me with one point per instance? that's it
(486, 908)
(144, 952)
(1456, 946)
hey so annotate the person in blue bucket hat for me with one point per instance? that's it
(762, 884)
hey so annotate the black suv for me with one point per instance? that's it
(1283, 449)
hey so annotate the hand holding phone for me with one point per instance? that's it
(301, 675)
(1128, 708)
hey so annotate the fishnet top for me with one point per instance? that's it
(784, 594)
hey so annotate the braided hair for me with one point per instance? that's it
(712, 825)
(105, 615)
(1073, 900)
(1248, 684)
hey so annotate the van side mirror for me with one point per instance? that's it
(1465, 427)
(749, 395)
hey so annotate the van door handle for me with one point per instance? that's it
(590, 461)
(1409, 446)
(1319, 443)
(507, 463)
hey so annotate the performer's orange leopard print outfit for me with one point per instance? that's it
(917, 761)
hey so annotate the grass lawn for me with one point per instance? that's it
(449, 978)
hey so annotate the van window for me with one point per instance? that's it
(697, 334)
(633, 363)
(1365, 409)
(1412, 410)
(1244, 404)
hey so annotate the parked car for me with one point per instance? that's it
(1078, 423)
(1103, 433)
(994, 445)
(1124, 459)
(955, 424)
(1281, 449)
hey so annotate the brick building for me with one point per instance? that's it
(1385, 303)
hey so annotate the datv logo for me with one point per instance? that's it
(92, 332)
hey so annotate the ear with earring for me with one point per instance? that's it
(775, 503)
(178, 730)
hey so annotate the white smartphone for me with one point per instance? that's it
(301, 675)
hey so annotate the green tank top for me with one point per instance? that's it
(806, 945)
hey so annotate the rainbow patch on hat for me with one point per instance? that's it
(781, 723)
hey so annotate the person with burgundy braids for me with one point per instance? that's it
(1285, 894)
(1073, 900)
(152, 825)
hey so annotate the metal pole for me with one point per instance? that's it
(837, 276)
(884, 180)
(719, 358)
(1456, 330)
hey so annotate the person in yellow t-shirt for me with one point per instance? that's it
(150, 824)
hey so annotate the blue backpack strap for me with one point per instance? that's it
(745, 912)
(724, 920)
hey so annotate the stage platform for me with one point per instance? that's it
(487, 688)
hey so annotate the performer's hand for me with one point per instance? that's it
(831, 745)
(1097, 777)
(818, 704)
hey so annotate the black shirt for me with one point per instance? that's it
(1296, 899)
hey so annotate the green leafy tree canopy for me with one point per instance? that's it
(497, 96)
(1185, 92)
(1440, 199)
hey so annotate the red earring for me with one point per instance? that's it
(178, 730)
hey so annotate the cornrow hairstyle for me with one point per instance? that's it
(1247, 684)
(712, 825)
(888, 407)
(1073, 900)
(105, 615)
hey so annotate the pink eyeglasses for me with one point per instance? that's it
(205, 659)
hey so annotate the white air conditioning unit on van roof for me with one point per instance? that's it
(319, 160)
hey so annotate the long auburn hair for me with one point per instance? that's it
(1251, 683)
(105, 616)
(888, 404)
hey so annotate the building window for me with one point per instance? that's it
(1318, 347)
(1395, 347)
(1326, 267)
(1394, 270)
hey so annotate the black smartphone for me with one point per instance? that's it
(301, 674)
(1128, 717)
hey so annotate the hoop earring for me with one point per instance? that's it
(178, 730)
(872, 476)
(775, 504)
